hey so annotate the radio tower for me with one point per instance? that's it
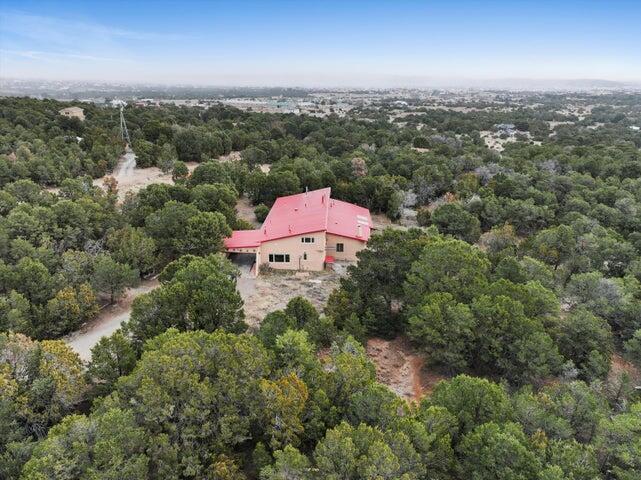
(124, 133)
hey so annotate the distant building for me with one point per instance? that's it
(74, 112)
(147, 102)
(508, 128)
(635, 128)
(305, 232)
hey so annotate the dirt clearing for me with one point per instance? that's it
(138, 178)
(245, 211)
(230, 157)
(381, 221)
(272, 291)
(620, 366)
(400, 368)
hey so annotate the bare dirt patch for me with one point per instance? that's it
(494, 141)
(135, 179)
(400, 368)
(139, 178)
(245, 211)
(273, 290)
(620, 366)
(230, 157)
(381, 221)
(131, 178)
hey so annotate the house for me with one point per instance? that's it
(74, 112)
(305, 232)
(507, 128)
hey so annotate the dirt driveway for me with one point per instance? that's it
(107, 321)
(246, 282)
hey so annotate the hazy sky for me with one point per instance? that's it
(320, 43)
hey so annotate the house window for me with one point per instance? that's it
(340, 247)
(307, 239)
(304, 255)
(278, 258)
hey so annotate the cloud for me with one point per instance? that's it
(66, 31)
(55, 56)
(36, 45)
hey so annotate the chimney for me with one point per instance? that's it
(359, 230)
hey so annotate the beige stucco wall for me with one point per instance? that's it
(350, 247)
(295, 248)
(324, 244)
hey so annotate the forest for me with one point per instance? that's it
(520, 283)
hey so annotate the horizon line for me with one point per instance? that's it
(431, 82)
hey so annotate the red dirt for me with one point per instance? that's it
(400, 368)
(620, 365)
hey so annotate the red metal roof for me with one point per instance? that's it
(308, 212)
(243, 239)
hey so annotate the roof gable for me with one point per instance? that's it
(297, 214)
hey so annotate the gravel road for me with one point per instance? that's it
(107, 321)
(125, 167)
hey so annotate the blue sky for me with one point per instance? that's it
(323, 43)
